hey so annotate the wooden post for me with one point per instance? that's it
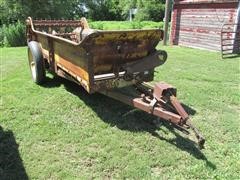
(166, 18)
(236, 45)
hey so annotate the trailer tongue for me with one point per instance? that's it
(160, 101)
(117, 64)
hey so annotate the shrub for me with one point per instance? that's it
(136, 25)
(13, 35)
(151, 24)
(119, 25)
(96, 25)
(2, 36)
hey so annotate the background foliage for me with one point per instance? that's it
(14, 12)
(13, 35)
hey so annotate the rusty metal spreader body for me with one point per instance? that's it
(117, 64)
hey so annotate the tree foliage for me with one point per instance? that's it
(147, 9)
(104, 9)
(14, 10)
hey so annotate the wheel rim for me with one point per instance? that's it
(32, 65)
(161, 56)
(33, 69)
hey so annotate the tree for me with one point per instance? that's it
(147, 9)
(104, 9)
(9, 11)
(126, 5)
(14, 10)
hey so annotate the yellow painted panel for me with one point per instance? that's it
(72, 67)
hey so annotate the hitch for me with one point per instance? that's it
(160, 101)
(165, 94)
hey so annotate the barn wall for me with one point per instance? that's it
(198, 23)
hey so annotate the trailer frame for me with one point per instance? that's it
(129, 68)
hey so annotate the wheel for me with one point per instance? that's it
(36, 63)
(162, 55)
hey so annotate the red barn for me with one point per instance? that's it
(198, 23)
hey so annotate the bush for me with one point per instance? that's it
(119, 25)
(96, 25)
(2, 36)
(13, 35)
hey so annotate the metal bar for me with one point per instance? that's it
(201, 139)
(227, 45)
(227, 24)
(107, 76)
(230, 32)
(179, 108)
(138, 102)
(235, 54)
(222, 43)
(64, 34)
(227, 49)
(231, 39)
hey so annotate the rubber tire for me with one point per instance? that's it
(36, 62)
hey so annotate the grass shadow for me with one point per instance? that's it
(11, 165)
(185, 144)
(122, 116)
(52, 82)
(188, 109)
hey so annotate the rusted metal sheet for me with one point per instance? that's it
(198, 23)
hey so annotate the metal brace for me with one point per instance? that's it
(152, 105)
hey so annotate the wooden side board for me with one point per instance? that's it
(71, 58)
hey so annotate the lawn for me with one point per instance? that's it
(58, 131)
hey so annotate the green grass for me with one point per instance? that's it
(59, 131)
